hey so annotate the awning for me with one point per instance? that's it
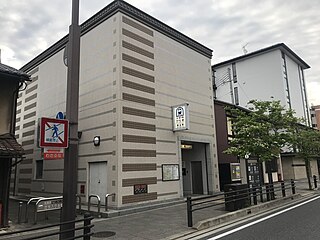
(9, 147)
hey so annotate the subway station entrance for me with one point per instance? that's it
(194, 168)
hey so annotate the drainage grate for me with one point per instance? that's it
(104, 234)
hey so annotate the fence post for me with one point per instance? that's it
(86, 227)
(261, 193)
(268, 192)
(293, 187)
(315, 181)
(283, 189)
(19, 212)
(254, 193)
(189, 212)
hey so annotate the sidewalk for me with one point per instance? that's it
(160, 223)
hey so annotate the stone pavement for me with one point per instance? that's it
(160, 223)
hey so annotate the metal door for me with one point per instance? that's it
(98, 180)
(197, 181)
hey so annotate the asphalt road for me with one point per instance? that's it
(301, 221)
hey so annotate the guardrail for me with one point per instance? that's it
(86, 233)
(246, 195)
(99, 202)
(28, 204)
(106, 200)
(48, 204)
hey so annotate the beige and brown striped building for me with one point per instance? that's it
(133, 69)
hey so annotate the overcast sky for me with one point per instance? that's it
(28, 27)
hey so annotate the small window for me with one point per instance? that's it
(39, 169)
(236, 96)
(234, 72)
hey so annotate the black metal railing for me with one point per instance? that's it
(85, 234)
(240, 198)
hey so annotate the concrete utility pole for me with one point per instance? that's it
(70, 177)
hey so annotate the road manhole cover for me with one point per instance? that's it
(103, 234)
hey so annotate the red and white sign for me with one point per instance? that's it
(53, 153)
(54, 132)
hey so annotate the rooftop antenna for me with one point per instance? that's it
(245, 51)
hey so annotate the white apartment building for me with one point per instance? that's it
(133, 70)
(272, 73)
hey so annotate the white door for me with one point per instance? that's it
(98, 180)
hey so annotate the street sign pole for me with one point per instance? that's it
(71, 153)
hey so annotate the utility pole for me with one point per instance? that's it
(70, 177)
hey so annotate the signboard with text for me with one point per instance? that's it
(180, 117)
(54, 132)
(53, 153)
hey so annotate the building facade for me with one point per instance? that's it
(315, 116)
(272, 73)
(133, 70)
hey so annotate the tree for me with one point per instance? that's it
(262, 131)
(307, 144)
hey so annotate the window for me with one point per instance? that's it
(39, 169)
(234, 72)
(229, 129)
(236, 96)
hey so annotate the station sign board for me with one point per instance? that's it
(180, 117)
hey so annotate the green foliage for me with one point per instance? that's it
(307, 143)
(262, 131)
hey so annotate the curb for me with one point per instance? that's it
(212, 222)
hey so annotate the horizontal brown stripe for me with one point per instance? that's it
(138, 139)
(138, 125)
(137, 86)
(18, 111)
(17, 128)
(134, 181)
(138, 74)
(30, 98)
(137, 26)
(27, 161)
(139, 198)
(24, 190)
(137, 61)
(137, 49)
(167, 194)
(33, 71)
(138, 112)
(137, 99)
(29, 124)
(29, 142)
(28, 133)
(139, 167)
(137, 37)
(31, 89)
(25, 170)
(138, 153)
(29, 151)
(18, 119)
(30, 106)
(25, 180)
(166, 153)
(97, 154)
(19, 103)
(29, 115)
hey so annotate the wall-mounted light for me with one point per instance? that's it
(96, 141)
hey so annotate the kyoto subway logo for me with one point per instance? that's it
(179, 112)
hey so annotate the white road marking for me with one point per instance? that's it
(260, 220)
